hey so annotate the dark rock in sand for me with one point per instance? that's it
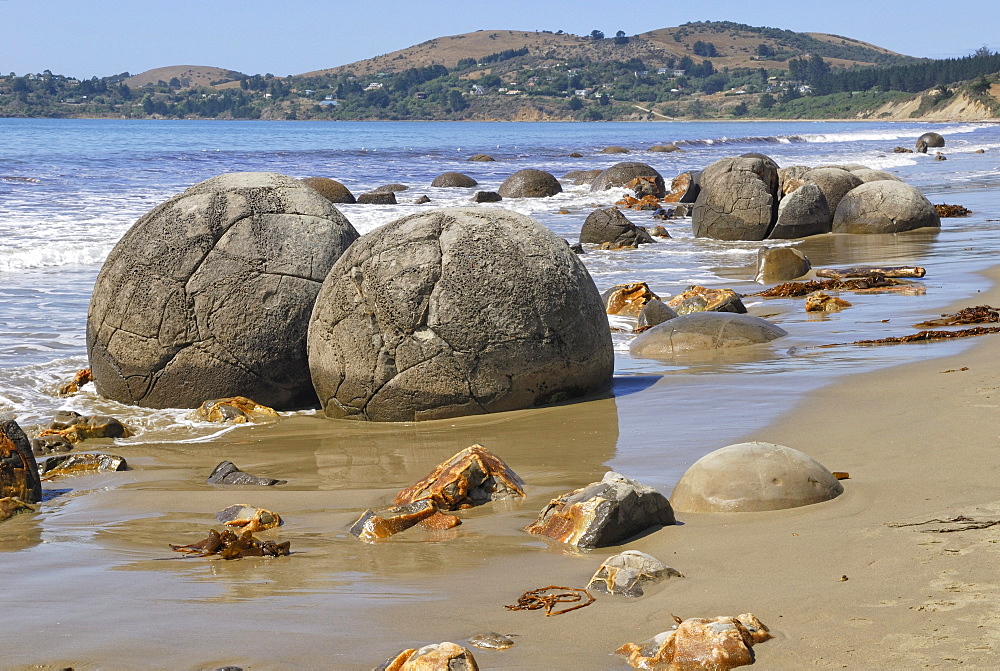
(209, 295)
(603, 513)
(801, 213)
(18, 472)
(377, 198)
(481, 157)
(226, 473)
(50, 444)
(884, 206)
(409, 326)
(613, 227)
(703, 331)
(453, 179)
(620, 174)
(931, 140)
(530, 183)
(78, 464)
(331, 189)
(486, 197)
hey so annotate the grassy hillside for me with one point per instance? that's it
(187, 76)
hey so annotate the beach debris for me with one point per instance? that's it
(870, 271)
(249, 518)
(235, 409)
(627, 299)
(653, 313)
(924, 336)
(752, 477)
(797, 289)
(609, 225)
(79, 464)
(780, 264)
(603, 513)
(226, 473)
(372, 526)
(18, 471)
(702, 299)
(549, 597)
(624, 574)
(491, 640)
(719, 643)
(75, 428)
(11, 505)
(944, 210)
(703, 332)
(470, 478)
(51, 444)
(961, 522)
(82, 377)
(980, 314)
(447, 655)
(229, 545)
(822, 302)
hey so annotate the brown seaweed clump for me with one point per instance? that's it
(230, 546)
(980, 314)
(797, 289)
(945, 210)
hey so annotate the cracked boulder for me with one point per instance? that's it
(737, 200)
(457, 311)
(621, 174)
(209, 295)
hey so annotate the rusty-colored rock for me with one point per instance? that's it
(445, 656)
(18, 472)
(76, 428)
(701, 299)
(249, 518)
(78, 464)
(628, 299)
(679, 188)
(235, 409)
(82, 377)
(472, 477)
(796, 289)
(11, 505)
(821, 302)
(372, 526)
(440, 522)
(720, 643)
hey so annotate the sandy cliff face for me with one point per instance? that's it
(961, 108)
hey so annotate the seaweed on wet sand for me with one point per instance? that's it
(228, 545)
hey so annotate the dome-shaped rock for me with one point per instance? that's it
(884, 206)
(331, 189)
(530, 183)
(750, 477)
(733, 206)
(209, 294)
(929, 140)
(620, 174)
(457, 311)
(801, 213)
(869, 175)
(833, 182)
(453, 179)
(703, 331)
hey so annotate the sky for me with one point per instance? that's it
(284, 37)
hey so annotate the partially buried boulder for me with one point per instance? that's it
(483, 158)
(447, 655)
(624, 574)
(453, 179)
(331, 189)
(378, 198)
(620, 174)
(409, 324)
(603, 513)
(750, 477)
(530, 183)
(610, 225)
(654, 312)
(209, 294)
(802, 213)
(884, 206)
(929, 140)
(705, 299)
(18, 471)
(627, 299)
(703, 331)
(780, 264)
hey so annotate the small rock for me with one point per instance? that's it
(940, 157)
(491, 640)
(818, 301)
(76, 464)
(453, 180)
(445, 656)
(486, 197)
(390, 188)
(372, 526)
(578, 249)
(653, 313)
(18, 470)
(575, 154)
(421, 200)
(226, 473)
(470, 478)
(659, 231)
(720, 643)
(624, 574)
(702, 299)
(613, 150)
(780, 264)
(665, 148)
(249, 518)
(331, 189)
(74, 427)
(627, 299)
(235, 409)
(50, 444)
(481, 157)
(902, 150)
(377, 198)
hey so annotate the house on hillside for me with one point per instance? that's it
(374, 86)
(477, 90)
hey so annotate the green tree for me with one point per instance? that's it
(456, 101)
(575, 104)
(620, 37)
(767, 101)
(596, 35)
(741, 109)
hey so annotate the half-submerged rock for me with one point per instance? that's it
(884, 206)
(82, 377)
(18, 471)
(235, 409)
(628, 299)
(624, 574)
(248, 518)
(372, 525)
(720, 643)
(603, 513)
(703, 332)
(780, 264)
(445, 656)
(79, 464)
(75, 428)
(226, 473)
(471, 478)
(611, 226)
(703, 299)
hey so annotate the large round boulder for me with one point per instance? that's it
(209, 295)
(331, 189)
(884, 206)
(733, 206)
(801, 213)
(833, 182)
(457, 311)
(622, 174)
(757, 164)
(751, 477)
(530, 183)
(929, 140)
(453, 179)
(703, 331)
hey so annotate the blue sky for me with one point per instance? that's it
(105, 37)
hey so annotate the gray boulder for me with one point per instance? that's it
(610, 225)
(530, 183)
(884, 206)
(453, 179)
(929, 140)
(331, 189)
(621, 174)
(483, 158)
(377, 198)
(209, 295)
(582, 176)
(393, 188)
(18, 470)
(733, 206)
(759, 165)
(453, 312)
(833, 182)
(486, 197)
(603, 513)
(789, 178)
(801, 213)
(780, 264)
(703, 331)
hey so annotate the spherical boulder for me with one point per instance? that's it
(703, 331)
(209, 295)
(870, 175)
(929, 140)
(884, 206)
(457, 311)
(620, 174)
(530, 183)
(801, 213)
(453, 179)
(833, 182)
(733, 206)
(610, 225)
(331, 189)
(752, 477)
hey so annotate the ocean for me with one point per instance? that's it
(69, 189)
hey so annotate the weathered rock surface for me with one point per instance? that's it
(530, 183)
(620, 174)
(737, 200)
(486, 197)
(603, 513)
(582, 176)
(627, 299)
(471, 478)
(453, 179)
(697, 643)
(884, 206)
(372, 525)
(243, 517)
(486, 158)
(654, 312)
(50, 444)
(78, 464)
(613, 150)
(664, 148)
(226, 473)
(833, 182)
(701, 332)
(818, 301)
(18, 472)
(684, 188)
(391, 188)
(209, 294)
(75, 428)
(929, 140)
(445, 656)
(378, 198)
(801, 213)
(790, 178)
(408, 325)
(610, 225)
(750, 477)
(236, 409)
(703, 299)
(780, 264)
(869, 175)
(624, 574)
(491, 640)
(331, 189)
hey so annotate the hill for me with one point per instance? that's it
(189, 76)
